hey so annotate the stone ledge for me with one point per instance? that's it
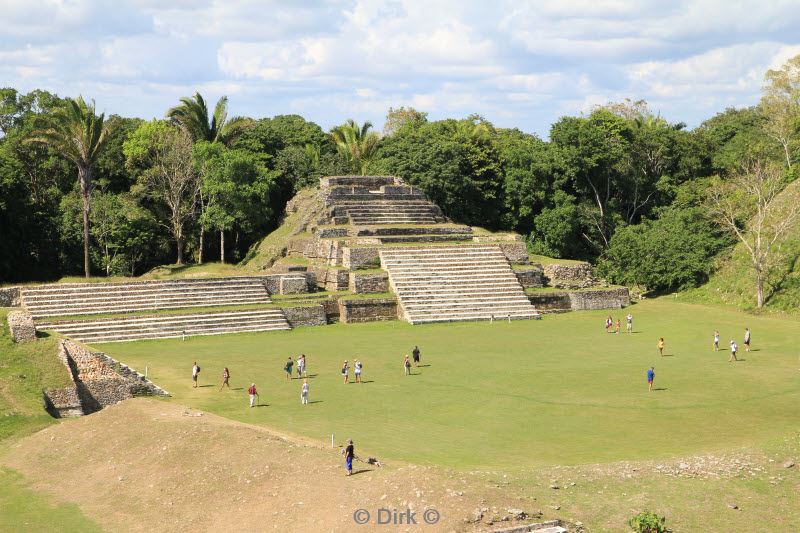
(9, 297)
(367, 310)
(368, 283)
(21, 326)
(530, 278)
(307, 315)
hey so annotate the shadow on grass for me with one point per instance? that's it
(660, 388)
(204, 386)
(314, 401)
(362, 471)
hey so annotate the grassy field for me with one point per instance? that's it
(525, 394)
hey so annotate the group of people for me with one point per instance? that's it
(651, 374)
(615, 327)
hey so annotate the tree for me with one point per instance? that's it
(169, 179)
(356, 144)
(78, 134)
(402, 116)
(192, 115)
(749, 205)
(781, 106)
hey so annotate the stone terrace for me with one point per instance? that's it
(442, 284)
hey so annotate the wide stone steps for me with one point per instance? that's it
(169, 326)
(442, 284)
(423, 238)
(97, 298)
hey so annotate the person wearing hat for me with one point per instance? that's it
(346, 372)
(253, 394)
(349, 455)
(733, 351)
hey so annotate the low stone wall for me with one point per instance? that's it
(64, 402)
(293, 285)
(367, 310)
(355, 258)
(530, 278)
(330, 279)
(427, 230)
(331, 308)
(307, 315)
(551, 302)
(331, 233)
(569, 276)
(368, 283)
(582, 300)
(21, 326)
(9, 297)
(273, 282)
(100, 380)
(613, 298)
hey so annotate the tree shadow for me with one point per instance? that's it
(785, 279)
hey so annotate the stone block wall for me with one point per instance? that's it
(368, 283)
(330, 233)
(307, 315)
(273, 282)
(367, 310)
(569, 276)
(330, 279)
(355, 258)
(293, 285)
(613, 298)
(9, 297)
(551, 302)
(64, 402)
(21, 326)
(530, 278)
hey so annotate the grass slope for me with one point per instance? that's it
(734, 282)
(556, 391)
(26, 369)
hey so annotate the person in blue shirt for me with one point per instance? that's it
(651, 375)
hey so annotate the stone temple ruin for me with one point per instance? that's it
(361, 248)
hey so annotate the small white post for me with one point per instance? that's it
(332, 445)
(145, 372)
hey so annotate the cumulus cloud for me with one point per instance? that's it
(518, 63)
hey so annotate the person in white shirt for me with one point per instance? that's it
(629, 325)
(195, 372)
(357, 371)
(733, 352)
(304, 393)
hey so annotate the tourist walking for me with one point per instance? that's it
(415, 355)
(288, 368)
(716, 340)
(346, 372)
(734, 349)
(746, 339)
(609, 322)
(195, 373)
(301, 365)
(629, 323)
(349, 455)
(661, 346)
(253, 392)
(226, 375)
(651, 376)
(407, 366)
(304, 393)
(357, 366)
(619, 326)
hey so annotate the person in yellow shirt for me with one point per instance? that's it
(661, 346)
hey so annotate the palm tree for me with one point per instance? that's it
(192, 115)
(356, 144)
(78, 134)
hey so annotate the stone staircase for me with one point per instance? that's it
(378, 212)
(454, 283)
(61, 308)
(95, 298)
(136, 328)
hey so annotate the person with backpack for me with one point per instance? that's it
(651, 376)
(195, 372)
(357, 366)
(346, 372)
(253, 392)
(288, 368)
(407, 366)
(734, 348)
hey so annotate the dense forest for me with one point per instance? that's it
(620, 186)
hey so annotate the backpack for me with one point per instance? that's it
(198, 369)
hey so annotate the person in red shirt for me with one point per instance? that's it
(253, 394)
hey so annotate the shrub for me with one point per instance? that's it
(648, 522)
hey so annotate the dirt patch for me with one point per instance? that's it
(147, 465)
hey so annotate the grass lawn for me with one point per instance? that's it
(524, 394)
(22, 509)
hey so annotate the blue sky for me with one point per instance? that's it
(518, 63)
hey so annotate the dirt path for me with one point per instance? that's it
(146, 465)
